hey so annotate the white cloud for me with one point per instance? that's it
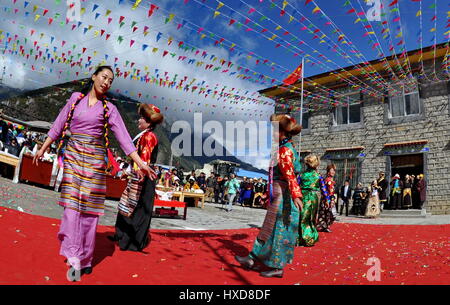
(176, 101)
(15, 76)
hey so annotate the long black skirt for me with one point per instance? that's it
(132, 233)
(326, 217)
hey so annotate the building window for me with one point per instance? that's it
(406, 103)
(349, 112)
(305, 119)
(347, 169)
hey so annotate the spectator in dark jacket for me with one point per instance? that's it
(359, 197)
(259, 188)
(218, 188)
(201, 181)
(4, 134)
(345, 194)
(191, 175)
(210, 186)
(422, 190)
(13, 148)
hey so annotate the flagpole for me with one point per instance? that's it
(301, 107)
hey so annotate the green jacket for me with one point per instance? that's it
(232, 186)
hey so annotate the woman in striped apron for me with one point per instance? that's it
(85, 121)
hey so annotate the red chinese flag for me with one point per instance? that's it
(113, 166)
(294, 77)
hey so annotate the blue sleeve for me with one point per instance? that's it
(323, 189)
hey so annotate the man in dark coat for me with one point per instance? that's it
(359, 197)
(201, 181)
(345, 194)
(422, 190)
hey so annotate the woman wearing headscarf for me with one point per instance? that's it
(275, 243)
(84, 124)
(133, 222)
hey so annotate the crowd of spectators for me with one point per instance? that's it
(13, 138)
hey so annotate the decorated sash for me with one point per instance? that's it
(130, 197)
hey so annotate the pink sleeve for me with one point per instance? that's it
(58, 126)
(120, 131)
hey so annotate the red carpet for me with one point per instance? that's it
(408, 255)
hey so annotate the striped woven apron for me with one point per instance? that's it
(83, 187)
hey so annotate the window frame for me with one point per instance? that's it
(403, 95)
(335, 109)
(389, 120)
(340, 179)
(308, 127)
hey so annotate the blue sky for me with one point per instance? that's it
(256, 40)
(242, 48)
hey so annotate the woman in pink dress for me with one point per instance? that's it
(84, 123)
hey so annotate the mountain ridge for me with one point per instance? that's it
(45, 103)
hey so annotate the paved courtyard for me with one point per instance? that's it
(201, 249)
(43, 201)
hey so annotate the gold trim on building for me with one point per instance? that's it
(410, 143)
(345, 149)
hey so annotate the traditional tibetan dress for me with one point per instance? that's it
(373, 206)
(132, 227)
(407, 194)
(83, 187)
(326, 217)
(275, 243)
(312, 184)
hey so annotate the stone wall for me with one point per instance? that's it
(375, 131)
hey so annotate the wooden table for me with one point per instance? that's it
(196, 196)
(9, 159)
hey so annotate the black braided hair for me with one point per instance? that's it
(106, 124)
(69, 119)
(88, 89)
